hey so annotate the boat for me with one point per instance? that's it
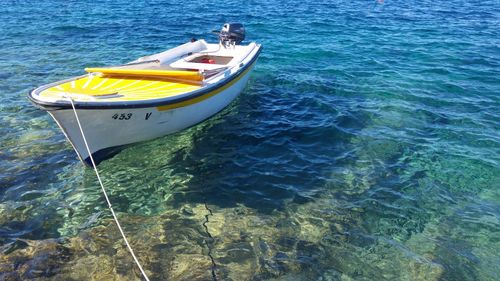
(152, 96)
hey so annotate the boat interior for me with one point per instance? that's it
(182, 69)
(197, 55)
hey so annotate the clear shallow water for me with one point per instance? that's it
(365, 147)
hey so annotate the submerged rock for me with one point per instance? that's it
(39, 259)
(311, 241)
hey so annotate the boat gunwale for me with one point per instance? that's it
(62, 104)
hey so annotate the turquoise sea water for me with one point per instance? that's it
(366, 146)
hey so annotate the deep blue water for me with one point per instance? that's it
(366, 146)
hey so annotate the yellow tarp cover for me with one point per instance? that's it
(120, 88)
(191, 75)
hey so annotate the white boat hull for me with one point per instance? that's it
(106, 130)
(150, 97)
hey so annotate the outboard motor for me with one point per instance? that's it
(231, 34)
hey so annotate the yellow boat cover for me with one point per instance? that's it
(191, 75)
(121, 88)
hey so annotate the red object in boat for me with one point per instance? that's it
(207, 60)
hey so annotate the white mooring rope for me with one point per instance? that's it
(105, 194)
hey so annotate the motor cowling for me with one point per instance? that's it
(232, 34)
